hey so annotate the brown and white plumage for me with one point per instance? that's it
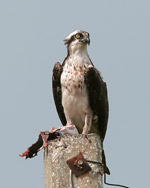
(80, 92)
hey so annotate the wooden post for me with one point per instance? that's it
(58, 151)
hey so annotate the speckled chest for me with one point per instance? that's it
(72, 77)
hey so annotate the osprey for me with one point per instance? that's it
(79, 90)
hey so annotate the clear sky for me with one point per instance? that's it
(31, 41)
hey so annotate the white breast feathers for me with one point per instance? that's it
(74, 92)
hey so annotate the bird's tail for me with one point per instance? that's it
(106, 169)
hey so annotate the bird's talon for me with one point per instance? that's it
(86, 136)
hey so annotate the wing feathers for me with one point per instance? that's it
(98, 98)
(57, 70)
(97, 91)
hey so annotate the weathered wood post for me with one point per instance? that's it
(58, 151)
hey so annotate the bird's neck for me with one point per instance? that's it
(78, 50)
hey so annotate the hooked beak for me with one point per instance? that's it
(86, 40)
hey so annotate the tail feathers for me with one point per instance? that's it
(106, 169)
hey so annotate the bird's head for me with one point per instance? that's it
(77, 41)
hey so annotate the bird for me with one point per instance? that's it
(79, 90)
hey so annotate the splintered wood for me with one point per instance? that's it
(58, 151)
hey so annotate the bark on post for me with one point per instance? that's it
(58, 151)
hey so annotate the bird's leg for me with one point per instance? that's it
(87, 125)
(69, 122)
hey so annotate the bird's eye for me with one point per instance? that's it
(78, 36)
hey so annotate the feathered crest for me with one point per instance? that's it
(68, 39)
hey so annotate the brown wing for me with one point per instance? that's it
(57, 70)
(98, 98)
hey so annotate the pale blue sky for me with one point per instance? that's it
(31, 41)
